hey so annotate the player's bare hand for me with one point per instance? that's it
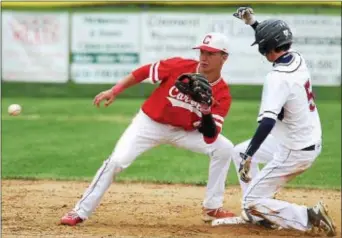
(105, 95)
(245, 166)
(245, 14)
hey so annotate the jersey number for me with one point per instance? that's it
(310, 96)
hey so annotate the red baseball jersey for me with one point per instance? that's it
(169, 106)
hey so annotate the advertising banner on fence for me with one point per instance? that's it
(105, 47)
(166, 35)
(35, 46)
(317, 38)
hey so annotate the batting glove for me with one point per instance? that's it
(245, 165)
(245, 14)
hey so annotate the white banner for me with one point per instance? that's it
(167, 35)
(245, 65)
(317, 37)
(35, 46)
(105, 46)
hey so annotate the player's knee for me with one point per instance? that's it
(251, 215)
(224, 149)
(250, 200)
(229, 146)
(252, 210)
(246, 205)
(112, 166)
(121, 161)
(245, 214)
(240, 147)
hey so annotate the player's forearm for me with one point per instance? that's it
(264, 129)
(123, 84)
(133, 78)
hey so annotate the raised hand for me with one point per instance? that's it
(245, 14)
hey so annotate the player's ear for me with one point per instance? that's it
(224, 57)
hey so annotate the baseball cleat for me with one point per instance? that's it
(318, 217)
(218, 213)
(71, 219)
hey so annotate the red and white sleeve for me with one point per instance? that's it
(154, 72)
(157, 71)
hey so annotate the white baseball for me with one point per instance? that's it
(14, 109)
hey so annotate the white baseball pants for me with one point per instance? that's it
(143, 134)
(258, 199)
(262, 156)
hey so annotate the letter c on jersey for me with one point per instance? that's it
(173, 92)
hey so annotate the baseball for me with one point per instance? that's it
(14, 109)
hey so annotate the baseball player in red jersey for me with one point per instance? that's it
(171, 117)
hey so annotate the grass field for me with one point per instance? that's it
(69, 139)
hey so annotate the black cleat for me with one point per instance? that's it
(267, 224)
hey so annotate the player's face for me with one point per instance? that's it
(273, 55)
(212, 61)
(270, 56)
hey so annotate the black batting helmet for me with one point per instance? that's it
(271, 34)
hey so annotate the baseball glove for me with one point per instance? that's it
(196, 86)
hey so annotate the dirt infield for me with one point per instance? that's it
(33, 209)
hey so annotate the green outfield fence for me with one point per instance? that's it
(70, 89)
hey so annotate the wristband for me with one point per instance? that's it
(117, 89)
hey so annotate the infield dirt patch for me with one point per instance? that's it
(33, 209)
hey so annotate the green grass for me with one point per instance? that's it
(69, 139)
(142, 90)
